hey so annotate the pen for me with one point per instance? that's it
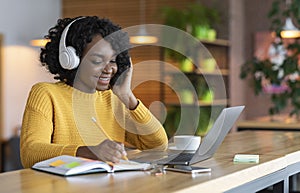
(96, 123)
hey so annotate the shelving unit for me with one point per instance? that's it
(179, 98)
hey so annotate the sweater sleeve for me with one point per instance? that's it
(148, 132)
(37, 129)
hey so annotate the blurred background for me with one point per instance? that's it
(229, 30)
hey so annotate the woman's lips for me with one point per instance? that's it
(103, 80)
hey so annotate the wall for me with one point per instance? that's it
(256, 20)
(21, 21)
(237, 52)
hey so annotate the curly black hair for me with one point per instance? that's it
(80, 33)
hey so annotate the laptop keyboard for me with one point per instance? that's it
(181, 158)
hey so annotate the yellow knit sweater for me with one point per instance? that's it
(58, 119)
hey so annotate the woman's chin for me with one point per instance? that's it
(102, 87)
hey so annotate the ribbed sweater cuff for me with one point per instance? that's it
(70, 150)
(141, 114)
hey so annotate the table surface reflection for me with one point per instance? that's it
(276, 150)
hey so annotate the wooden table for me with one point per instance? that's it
(279, 158)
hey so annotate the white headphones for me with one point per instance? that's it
(67, 55)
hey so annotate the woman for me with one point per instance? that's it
(91, 111)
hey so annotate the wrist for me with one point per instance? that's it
(133, 102)
(84, 151)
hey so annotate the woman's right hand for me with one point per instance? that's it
(106, 151)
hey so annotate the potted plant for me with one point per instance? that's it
(195, 19)
(201, 19)
(278, 75)
(190, 18)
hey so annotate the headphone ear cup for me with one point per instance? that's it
(67, 55)
(74, 59)
(68, 58)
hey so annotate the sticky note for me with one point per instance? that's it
(246, 158)
(72, 165)
(56, 163)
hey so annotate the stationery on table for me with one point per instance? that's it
(66, 165)
(246, 158)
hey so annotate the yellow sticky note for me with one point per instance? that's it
(56, 163)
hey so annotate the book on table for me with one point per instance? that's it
(66, 165)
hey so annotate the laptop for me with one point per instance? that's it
(210, 142)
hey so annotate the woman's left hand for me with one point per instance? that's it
(122, 89)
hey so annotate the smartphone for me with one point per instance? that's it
(187, 169)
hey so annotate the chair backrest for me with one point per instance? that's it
(10, 155)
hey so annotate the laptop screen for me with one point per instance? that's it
(217, 133)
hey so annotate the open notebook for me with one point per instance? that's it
(66, 165)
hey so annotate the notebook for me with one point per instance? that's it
(210, 142)
(66, 165)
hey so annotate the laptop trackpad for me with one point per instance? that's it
(149, 156)
(162, 157)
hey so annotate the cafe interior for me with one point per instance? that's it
(242, 53)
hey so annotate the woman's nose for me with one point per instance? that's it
(108, 68)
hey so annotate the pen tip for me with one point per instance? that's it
(93, 119)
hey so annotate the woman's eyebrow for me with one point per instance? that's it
(98, 55)
(102, 56)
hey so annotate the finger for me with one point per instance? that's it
(108, 152)
(114, 156)
(131, 65)
(120, 150)
(130, 61)
(111, 155)
(113, 150)
(117, 146)
(124, 153)
(117, 150)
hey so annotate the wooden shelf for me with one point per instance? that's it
(266, 123)
(217, 42)
(222, 72)
(199, 71)
(202, 76)
(218, 102)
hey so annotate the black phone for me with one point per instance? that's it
(187, 169)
